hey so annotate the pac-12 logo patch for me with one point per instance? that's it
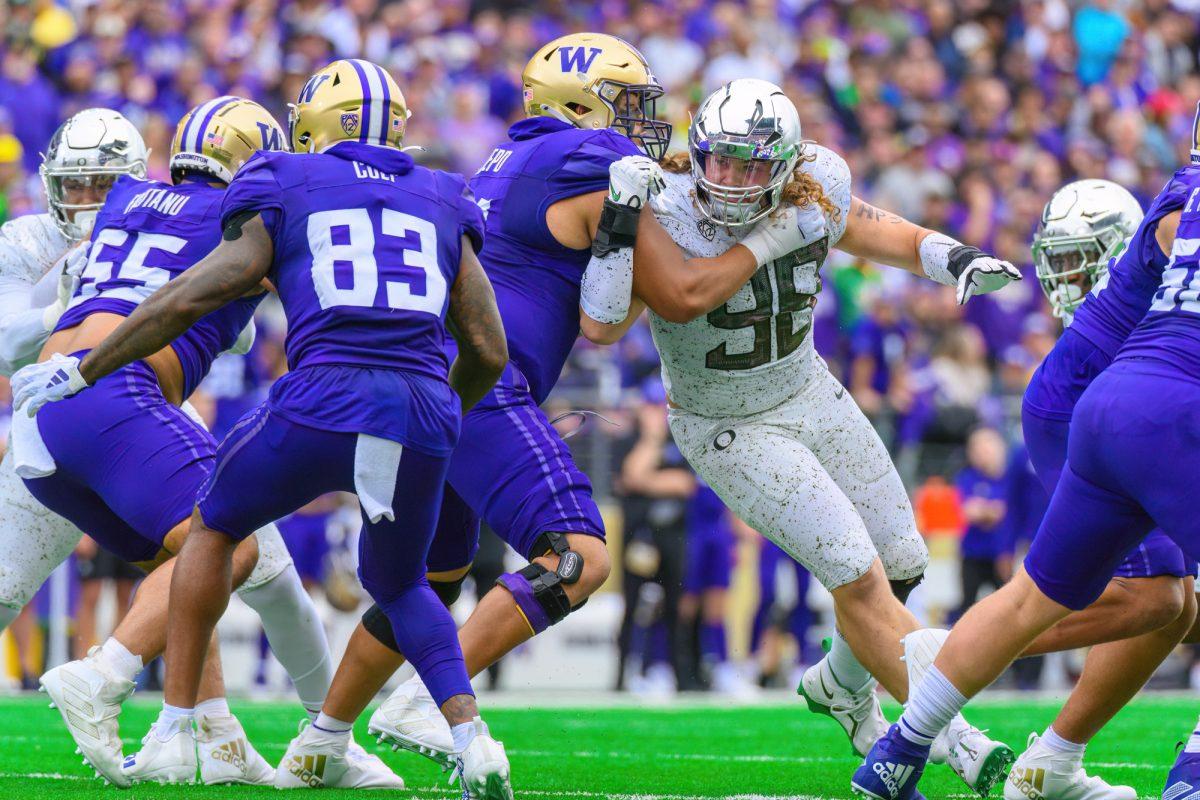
(724, 439)
(350, 123)
(707, 229)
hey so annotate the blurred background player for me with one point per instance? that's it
(986, 548)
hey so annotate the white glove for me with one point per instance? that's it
(37, 384)
(781, 233)
(634, 181)
(984, 274)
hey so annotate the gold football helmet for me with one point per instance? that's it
(350, 100)
(593, 80)
(217, 137)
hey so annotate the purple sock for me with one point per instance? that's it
(712, 641)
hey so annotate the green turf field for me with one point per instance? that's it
(664, 753)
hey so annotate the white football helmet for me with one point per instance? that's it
(85, 156)
(1085, 224)
(744, 143)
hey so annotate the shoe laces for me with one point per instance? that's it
(858, 707)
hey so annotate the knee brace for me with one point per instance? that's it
(539, 595)
(903, 588)
(570, 563)
(376, 623)
(448, 591)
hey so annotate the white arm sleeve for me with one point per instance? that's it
(45, 291)
(22, 332)
(607, 285)
(29, 248)
(833, 173)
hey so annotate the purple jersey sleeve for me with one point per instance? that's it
(586, 170)
(255, 188)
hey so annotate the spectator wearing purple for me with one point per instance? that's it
(986, 547)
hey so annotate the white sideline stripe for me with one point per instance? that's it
(48, 776)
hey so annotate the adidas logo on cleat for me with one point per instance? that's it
(894, 776)
(309, 769)
(1181, 790)
(233, 753)
(1029, 782)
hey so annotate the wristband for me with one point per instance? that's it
(618, 228)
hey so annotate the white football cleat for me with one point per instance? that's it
(1042, 774)
(859, 713)
(89, 697)
(226, 755)
(980, 762)
(314, 760)
(169, 760)
(410, 719)
(483, 767)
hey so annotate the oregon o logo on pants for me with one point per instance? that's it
(724, 439)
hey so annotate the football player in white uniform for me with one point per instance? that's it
(754, 408)
(40, 259)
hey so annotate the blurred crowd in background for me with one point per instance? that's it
(961, 115)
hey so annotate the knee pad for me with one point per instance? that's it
(448, 591)
(904, 587)
(539, 595)
(376, 623)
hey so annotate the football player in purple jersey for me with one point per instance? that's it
(373, 258)
(571, 179)
(1130, 469)
(124, 462)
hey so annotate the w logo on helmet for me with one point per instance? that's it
(577, 59)
(271, 136)
(310, 88)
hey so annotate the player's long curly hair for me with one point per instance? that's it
(803, 189)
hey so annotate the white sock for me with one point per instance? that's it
(931, 707)
(296, 635)
(119, 660)
(1056, 744)
(214, 707)
(331, 726)
(171, 720)
(844, 666)
(465, 732)
(1193, 743)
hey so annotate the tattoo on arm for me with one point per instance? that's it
(231, 270)
(873, 214)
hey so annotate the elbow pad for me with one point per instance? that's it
(607, 286)
(618, 228)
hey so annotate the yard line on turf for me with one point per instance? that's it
(47, 776)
